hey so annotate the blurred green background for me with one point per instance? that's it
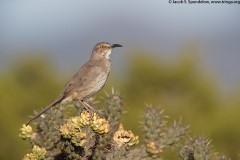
(179, 87)
(183, 58)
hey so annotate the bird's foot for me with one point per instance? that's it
(89, 108)
(91, 111)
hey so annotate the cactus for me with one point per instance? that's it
(199, 148)
(57, 135)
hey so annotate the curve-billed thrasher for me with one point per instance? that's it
(88, 80)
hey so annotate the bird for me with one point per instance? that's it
(90, 78)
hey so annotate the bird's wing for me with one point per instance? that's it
(71, 84)
(81, 79)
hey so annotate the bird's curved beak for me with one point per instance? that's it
(116, 45)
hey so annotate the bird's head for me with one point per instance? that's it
(103, 50)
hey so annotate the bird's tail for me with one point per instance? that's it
(54, 103)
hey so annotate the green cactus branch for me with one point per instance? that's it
(101, 136)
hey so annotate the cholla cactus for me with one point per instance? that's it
(154, 122)
(77, 135)
(99, 125)
(25, 132)
(101, 136)
(122, 137)
(113, 110)
(153, 148)
(37, 154)
(199, 149)
(75, 128)
(158, 135)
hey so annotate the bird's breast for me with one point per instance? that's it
(99, 77)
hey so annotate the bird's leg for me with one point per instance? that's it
(89, 108)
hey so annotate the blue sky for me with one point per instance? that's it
(67, 31)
